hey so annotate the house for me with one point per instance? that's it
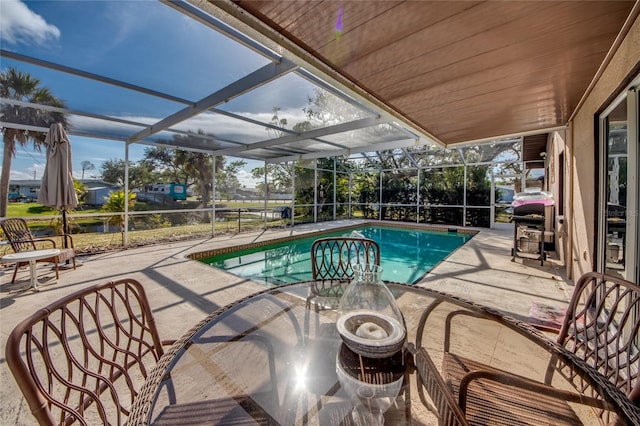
(98, 191)
(24, 190)
(176, 191)
(504, 193)
(98, 196)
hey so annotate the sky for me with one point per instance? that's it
(145, 43)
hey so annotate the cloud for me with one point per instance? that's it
(26, 173)
(122, 21)
(18, 24)
(19, 175)
(219, 125)
(245, 179)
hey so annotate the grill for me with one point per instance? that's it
(528, 232)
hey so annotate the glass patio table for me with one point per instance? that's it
(276, 358)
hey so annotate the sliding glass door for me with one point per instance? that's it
(618, 242)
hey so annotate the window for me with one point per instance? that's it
(618, 240)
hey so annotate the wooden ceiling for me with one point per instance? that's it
(458, 70)
(533, 146)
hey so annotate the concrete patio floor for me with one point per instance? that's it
(183, 291)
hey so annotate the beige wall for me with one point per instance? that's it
(581, 148)
(556, 145)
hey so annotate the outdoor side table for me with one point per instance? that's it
(32, 257)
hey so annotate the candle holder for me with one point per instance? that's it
(371, 384)
(369, 320)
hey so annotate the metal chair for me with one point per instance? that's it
(481, 390)
(19, 236)
(602, 328)
(332, 266)
(84, 358)
(335, 257)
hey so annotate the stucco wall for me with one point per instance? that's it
(581, 149)
(556, 146)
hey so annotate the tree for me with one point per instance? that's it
(170, 167)
(165, 165)
(279, 174)
(87, 165)
(113, 171)
(227, 178)
(193, 169)
(322, 110)
(200, 166)
(80, 188)
(142, 175)
(279, 123)
(115, 204)
(23, 87)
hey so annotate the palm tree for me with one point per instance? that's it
(87, 165)
(23, 87)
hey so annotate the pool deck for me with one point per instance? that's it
(183, 291)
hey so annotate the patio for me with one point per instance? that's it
(565, 92)
(408, 104)
(182, 291)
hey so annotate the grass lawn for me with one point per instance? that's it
(93, 242)
(35, 209)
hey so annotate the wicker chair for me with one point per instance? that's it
(17, 233)
(601, 328)
(84, 358)
(332, 263)
(332, 266)
(335, 257)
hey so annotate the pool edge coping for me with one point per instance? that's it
(428, 227)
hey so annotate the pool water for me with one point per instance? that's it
(406, 255)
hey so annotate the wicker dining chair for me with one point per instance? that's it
(490, 395)
(84, 357)
(17, 232)
(335, 257)
(332, 266)
(602, 327)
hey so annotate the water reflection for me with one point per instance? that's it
(371, 384)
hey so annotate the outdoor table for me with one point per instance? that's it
(276, 358)
(31, 256)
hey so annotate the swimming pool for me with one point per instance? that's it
(407, 254)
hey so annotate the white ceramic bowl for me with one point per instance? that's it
(371, 347)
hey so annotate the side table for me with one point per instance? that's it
(30, 256)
